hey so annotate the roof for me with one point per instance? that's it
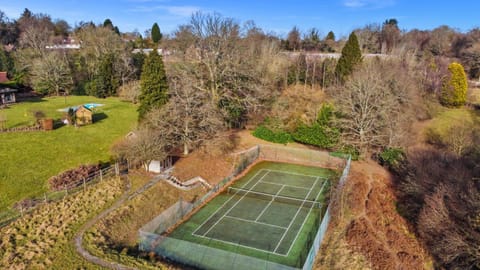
(3, 76)
(7, 90)
(82, 107)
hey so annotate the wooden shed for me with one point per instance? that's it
(83, 116)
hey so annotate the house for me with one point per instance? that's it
(83, 116)
(7, 95)
(3, 77)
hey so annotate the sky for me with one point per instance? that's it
(276, 16)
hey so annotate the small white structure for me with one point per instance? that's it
(155, 166)
(159, 166)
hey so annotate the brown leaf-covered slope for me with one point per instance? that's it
(366, 231)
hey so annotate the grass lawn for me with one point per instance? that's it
(28, 159)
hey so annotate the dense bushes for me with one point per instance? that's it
(72, 178)
(266, 134)
(438, 193)
(317, 135)
(391, 157)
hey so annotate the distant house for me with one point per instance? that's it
(3, 77)
(84, 116)
(7, 95)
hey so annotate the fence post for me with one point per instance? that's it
(84, 184)
(66, 190)
(21, 209)
(45, 197)
(117, 169)
(101, 175)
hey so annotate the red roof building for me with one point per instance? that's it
(3, 77)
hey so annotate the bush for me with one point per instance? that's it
(317, 135)
(266, 134)
(391, 157)
(345, 151)
(72, 178)
(454, 90)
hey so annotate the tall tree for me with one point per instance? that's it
(108, 23)
(390, 35)
(153, 84)
(51, 74)
(375, 105)
(156, 34)
(294, 39)
(454, 90)
(106, 80)
(351, 56)
(188, 118)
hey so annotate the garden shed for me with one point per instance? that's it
(83, 115)
(7, 95)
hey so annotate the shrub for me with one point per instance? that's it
(72, 178)
(391, 157)
(266, 134)
(345, 151)
(317, 135)
(454, 89)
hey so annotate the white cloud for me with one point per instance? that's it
(180, 11)
(368, 3)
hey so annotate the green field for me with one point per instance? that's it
(28, 159)
(278, 228)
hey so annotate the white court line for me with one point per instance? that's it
(229, 210)
(287, 172)
(269, 203)
(236, 244)
(256, 222)
(201, 225)
(266, 182)
(293, 219)
(301, 228)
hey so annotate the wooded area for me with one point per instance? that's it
(220, 75)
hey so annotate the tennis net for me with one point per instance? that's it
(272, 197)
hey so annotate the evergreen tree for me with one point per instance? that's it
(330, 36)
(156, 34)
(454, 90)
(108, 24)
(105, 83)
(153, 84)
(351, 56)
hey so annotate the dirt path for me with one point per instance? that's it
(79, 236)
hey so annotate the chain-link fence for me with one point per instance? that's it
(153, 239)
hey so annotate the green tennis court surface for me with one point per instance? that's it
(271, 213)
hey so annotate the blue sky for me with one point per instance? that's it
(341, 16)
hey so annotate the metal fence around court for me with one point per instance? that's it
(152, 236)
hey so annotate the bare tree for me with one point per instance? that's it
(142, 147)
(189, 117)
(374, 106)
(225, 67)
(51, 74)
(130, 91)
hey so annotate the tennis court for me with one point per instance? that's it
(270, 213)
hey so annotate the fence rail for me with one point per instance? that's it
(152, 238)
(28, 205)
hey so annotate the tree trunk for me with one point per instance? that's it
(185, 148)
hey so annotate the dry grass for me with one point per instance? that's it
(42, 239)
